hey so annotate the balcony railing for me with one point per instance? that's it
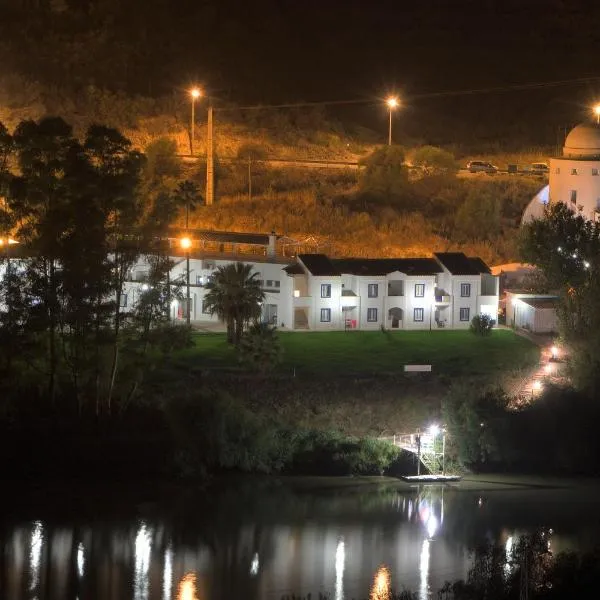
(442, 299)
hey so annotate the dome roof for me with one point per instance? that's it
(583, 140)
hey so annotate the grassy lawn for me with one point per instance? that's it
(370, 352)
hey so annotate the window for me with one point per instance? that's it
(269, 283)
(573, 171)
(595, 172)
(557, 170)
(419, 314)
(573, 196)
(419, 290)
(464, 314)
(325, 291)
(205, 308)
(372, 315)
(277, 283)
(123, 301)
(465, 290)
(209, 265)
(325, 315)
(373, 290)
(199, 279)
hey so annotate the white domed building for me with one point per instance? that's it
(574, 176)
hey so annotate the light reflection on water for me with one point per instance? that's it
(382, 584)
(187, 588)
(355, 546)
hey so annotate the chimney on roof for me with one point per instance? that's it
(271, 250)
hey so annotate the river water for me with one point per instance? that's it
(252, 540)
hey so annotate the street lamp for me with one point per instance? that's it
(186, 244)
(195, 93)
(392, 103)
(597, 113)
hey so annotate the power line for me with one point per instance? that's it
(447, 93)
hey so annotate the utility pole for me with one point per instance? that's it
(210, 168)
(249, 178)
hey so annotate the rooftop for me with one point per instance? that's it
(460, 264)
(384, 266)
(226, 237)
(319, 264)
(540, 302)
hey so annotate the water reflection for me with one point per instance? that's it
(143, 548)
(348, 545)
(381, 589)
(35, 557)
(168, 573)
(187, 588)
(424, 571)
(340, 560)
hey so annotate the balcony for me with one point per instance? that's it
(441, 297)
(395, 288)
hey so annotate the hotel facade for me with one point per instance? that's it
(313, 292)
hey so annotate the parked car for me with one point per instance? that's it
(539, 168)
(481, 166)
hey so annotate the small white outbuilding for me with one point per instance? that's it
(535, 313)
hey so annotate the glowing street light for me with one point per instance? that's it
(434, 430)
(597, 113)
(186, 244)
(392, 103)
(554, 352)
(195, 93)
(536, 388)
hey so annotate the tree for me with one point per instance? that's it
(188, 196)
(435, 161)
(481, 325)
(566, 248)
(162, 163)
(477, 423)
(478, 218)
(385, 175)
(260, 348)
(235, 296)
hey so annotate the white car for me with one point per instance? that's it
(539, 168)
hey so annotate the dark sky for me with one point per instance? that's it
(271, 51)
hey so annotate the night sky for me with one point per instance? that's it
(272, 51)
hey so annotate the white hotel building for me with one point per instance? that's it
(318, 293)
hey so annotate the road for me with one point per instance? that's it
(288, 163)
(285, 163)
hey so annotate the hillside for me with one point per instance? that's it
(333, 210)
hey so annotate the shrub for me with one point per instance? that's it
(481, 325)
(260, 348)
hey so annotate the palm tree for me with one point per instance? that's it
(188, 195)
(235, 296)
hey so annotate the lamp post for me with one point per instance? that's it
(392, 103)
(186, 244)
(597, 113)
(195, 93)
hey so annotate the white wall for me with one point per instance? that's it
(586, 185)
(202, 269)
